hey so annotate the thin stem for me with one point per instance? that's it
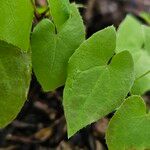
(143, 75)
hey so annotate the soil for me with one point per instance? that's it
(41, 123)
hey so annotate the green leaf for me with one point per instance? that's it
(60, 11)
(142, 63)
(94, 88)
(42, 9)
(51, 51)
(129, 35)
(15, 22)
(145, 16)
(146, 30)
(15, 75)
(141, 85)
(15, 58)
(129, 127)
(132, 36)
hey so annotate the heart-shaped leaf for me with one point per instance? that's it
(15, 61)
(130, 37)
(51, 51)
(129, 127)
(95, 87)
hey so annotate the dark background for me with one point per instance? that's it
(41, 123)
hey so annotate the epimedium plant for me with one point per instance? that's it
(135, 38)
(97, 73)
(54, 42)
(95, 86)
